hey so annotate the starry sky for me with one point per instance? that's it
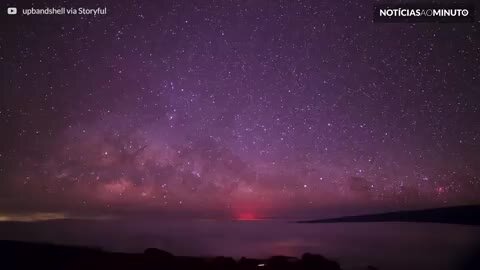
(236, 109)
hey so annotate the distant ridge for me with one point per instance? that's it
(466, 215)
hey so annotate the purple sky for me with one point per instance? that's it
(241, 109)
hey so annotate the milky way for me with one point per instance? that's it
(237, 108)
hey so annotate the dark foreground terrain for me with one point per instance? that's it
(23, 255)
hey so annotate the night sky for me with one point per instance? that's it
(235, 109)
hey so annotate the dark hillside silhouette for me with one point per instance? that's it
(465, 215)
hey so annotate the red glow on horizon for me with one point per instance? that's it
(246, 216)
